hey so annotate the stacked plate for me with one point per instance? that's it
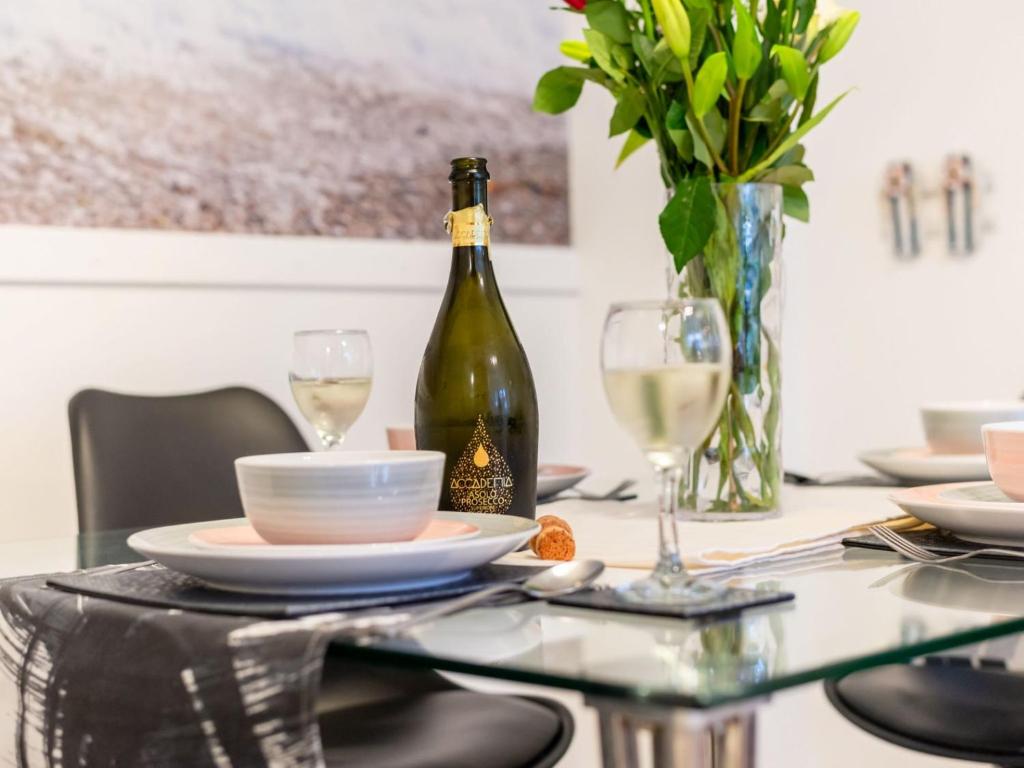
(333, 523)
(954, 450)
(308, 569)
(986, 512)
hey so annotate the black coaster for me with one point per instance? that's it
(165, 588)
(937, 542)
(733, 601)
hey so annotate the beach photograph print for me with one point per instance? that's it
(309, 117)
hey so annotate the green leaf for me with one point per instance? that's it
(777, 90)
(675, 118)
(602, 49)
(633, 142)
(688, 219)
(788, 175)
(628, 110)
(772, 26)
(765, 112)
(795, 203)
(699, 18)
(771, 106)
(795, 156)
(792, 140)
(804, 14)
(809, 101)
(716, 129)
(794, 69)
(622, 57)
(644, 50)
(704, 5)
(746, 48)
(709, 83)
(838, 35)
(683, 141)
(722, 258)
(610, 18)
(557, 90)
(575, 49)
(667, 68)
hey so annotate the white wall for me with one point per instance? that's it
(866, 338)
(156, 313)
(870, 338)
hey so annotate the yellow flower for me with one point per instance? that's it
(675, 26)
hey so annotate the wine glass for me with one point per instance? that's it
(330, 378)
(666, 368)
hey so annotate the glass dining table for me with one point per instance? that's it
(696, 686)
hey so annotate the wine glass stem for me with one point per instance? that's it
(670, 561)
(330, 441)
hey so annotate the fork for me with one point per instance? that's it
(912, 551)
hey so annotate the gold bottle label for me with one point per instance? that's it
(469, 226)
(481, 479)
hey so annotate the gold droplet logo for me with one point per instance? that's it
(480, 458)
(481, 479)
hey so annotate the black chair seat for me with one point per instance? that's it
(452, 728)
(951, 711)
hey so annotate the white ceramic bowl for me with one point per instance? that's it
(340, 497)
(956, 427)
(1004, 452)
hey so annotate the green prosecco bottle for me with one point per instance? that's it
(475, 399)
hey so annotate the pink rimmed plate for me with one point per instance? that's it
(972, 511)
(555, 478)
(246, 536)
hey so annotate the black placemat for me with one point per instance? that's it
(733, 601)
(938, 542)
(164, 588)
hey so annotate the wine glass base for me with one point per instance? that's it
(670, 589)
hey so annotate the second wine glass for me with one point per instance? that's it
(330, 376)
(666, 369)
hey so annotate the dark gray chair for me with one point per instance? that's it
(147, 461)
(942, 708)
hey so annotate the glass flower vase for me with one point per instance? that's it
(737, 473)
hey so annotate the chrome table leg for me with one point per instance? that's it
(723, 737)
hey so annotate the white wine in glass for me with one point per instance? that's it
(666, 368)
(667, 408)
(331, 376)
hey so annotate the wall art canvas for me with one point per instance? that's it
(306, 117)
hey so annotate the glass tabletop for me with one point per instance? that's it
(857, 610)
(853, 609)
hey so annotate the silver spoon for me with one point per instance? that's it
(561, 579)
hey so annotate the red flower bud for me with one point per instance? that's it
(579, 5)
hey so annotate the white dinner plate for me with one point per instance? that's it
(972, 511)
(334, 569)
(919, 465)
(555, 478)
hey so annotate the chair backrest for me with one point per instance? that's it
(142, 461)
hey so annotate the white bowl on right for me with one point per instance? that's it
(955, 427)
(340, 497)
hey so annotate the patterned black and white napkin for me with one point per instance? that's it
(149, 668)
